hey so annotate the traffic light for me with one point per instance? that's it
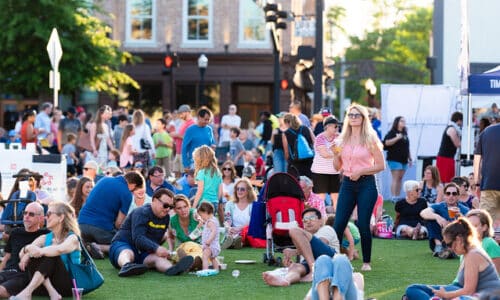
(284, 84)
(169, 62)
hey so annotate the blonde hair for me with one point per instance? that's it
(69, 223)
(251, 193)
(125, 135)
(204, 158)
(138, 117)
(292, 120)
(368, 137)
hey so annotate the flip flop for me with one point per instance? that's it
(182, 266)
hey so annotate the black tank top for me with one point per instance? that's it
(278, 142)
(447, 148)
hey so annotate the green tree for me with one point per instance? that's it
(406, 44)
(90, 58)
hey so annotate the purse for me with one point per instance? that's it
(145, 144)
(85, 273)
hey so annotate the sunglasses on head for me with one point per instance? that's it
(29, 213)
(451, 193)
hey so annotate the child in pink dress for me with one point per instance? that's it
(210, 235)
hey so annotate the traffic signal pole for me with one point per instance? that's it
(318, 59)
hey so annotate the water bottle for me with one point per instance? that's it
(195, 234)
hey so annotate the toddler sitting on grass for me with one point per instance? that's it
(210, 235)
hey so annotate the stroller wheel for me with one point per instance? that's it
(264, 258)
(278, 261)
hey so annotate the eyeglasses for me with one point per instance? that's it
(451, 193)
(50, 213)
(226, 169)
(241, 189)
(166, 205)
(30, 213)
(354, 116)
(309, 218)
(418, 190)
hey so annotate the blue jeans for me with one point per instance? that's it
(279, 161)
(434, 231)
(338, 271)
(362, 193)
(423, 292)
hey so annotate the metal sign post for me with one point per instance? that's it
(55, 52)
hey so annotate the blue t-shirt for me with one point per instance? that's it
(235, 147)
(210, 185)
(109, 197)
(442, 209)
(165, 185)
(183, 186)
(194, 137)
(67, 150)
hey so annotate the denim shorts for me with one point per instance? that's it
(396, 165)
(118, 246)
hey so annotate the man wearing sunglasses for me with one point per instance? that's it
(12, 279)
(137, 246)
(438, 215)
(314, 240)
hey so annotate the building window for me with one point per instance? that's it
(198, 17)
(140, 21)
(252, 28)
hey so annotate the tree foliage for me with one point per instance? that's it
(90, 58)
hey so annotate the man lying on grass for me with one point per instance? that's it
(137, 246)
(314, 240)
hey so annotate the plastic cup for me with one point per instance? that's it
(77, 293)
(453, 212)
(223, 266)
(235, 273)
(220, 259)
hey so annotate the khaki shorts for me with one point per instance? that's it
(177, 164)
(490, 201)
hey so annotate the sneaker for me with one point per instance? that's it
(437, 250)
(237, 243)
(95, 251)
(182, 266)
(131, 269)
(446, 254)
(228, 241)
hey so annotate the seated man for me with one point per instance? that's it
(314, 240)
(186, 185)
(438, 215)
(156, 180)
(12, 279)
(137, 246)
(106, 207)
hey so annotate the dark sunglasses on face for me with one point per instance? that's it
(226, 169)
(29, 213)
(166, 205)
(418, 190)
(354, 116)
(241, 189)
(451, 193)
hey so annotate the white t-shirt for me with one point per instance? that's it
(231, 121)
(241, 217)
(327, 232)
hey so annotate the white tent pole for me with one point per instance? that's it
(469, 125)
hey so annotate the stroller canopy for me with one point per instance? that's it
(283, 184)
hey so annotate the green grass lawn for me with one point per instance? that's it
(395, 263)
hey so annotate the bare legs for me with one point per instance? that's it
(397, 177)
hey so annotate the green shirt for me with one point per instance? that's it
(491, 247)
(179, 232)
(354, 231)
(162, 151)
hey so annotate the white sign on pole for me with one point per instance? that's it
(305, 28)
(55, 53)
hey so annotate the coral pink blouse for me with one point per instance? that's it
(355, 158)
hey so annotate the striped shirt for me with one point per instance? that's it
(320, 164)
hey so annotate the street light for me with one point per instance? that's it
(202, 65)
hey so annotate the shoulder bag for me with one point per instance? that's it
(85, 273)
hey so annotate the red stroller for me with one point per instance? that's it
(285, 204)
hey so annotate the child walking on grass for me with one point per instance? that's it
(209, 236)
(207, 177)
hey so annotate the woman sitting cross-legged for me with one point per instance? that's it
(237, 214)
(476, 273)
(47, 258)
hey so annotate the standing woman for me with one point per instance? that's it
(294, 127)
(46, 259)
(279, 161)
(142, 140)
(398, 154)
(325, 178)
(28, 131)
(100, 136)
(358, 154)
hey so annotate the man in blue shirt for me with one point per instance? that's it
(197, 135)
(186, 184)
(137, 246)
(438, 215)
(105, 209)
(156, 180)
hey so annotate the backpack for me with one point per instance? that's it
(302, 149)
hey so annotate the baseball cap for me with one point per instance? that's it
(72, 110)
(325, 111)
(184, 108)
(91, 164)
(248, 171)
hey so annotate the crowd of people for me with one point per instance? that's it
(181, 180)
